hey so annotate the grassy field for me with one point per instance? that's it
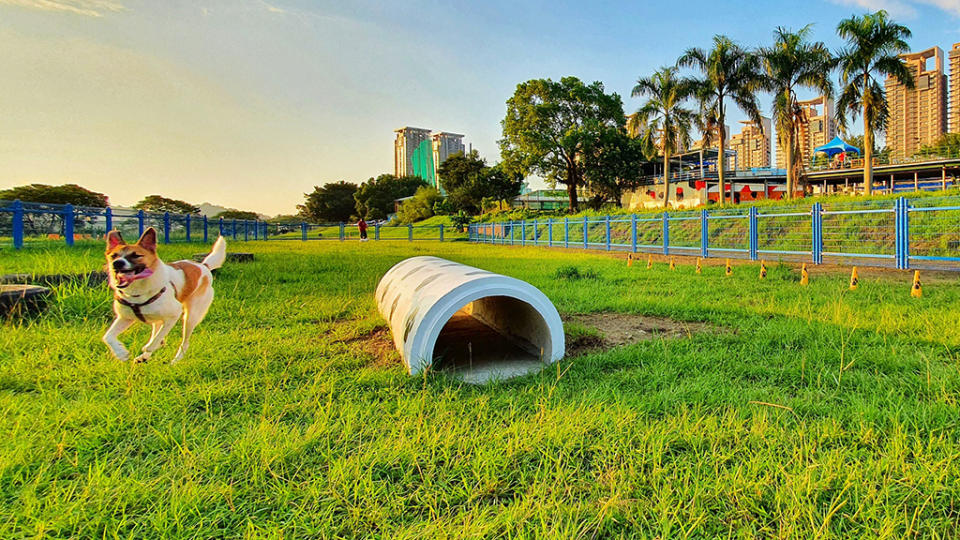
(818, 412)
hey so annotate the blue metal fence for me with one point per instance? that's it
(901, 233)
(22, 222)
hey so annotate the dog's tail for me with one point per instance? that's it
(217, 255)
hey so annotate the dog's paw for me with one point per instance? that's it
(141, 359)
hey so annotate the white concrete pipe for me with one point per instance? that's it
(482, 325)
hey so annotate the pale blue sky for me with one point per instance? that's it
(248, 103)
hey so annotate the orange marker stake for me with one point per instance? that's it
(804, 275)
(763, 269)
(854, 279)
(650, 262)
(729, 270)
(699, 269)
(673, 265)
(917, 290)
(630, 259)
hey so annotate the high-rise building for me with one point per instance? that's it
(412, 152)
(919, 116)
(752, 144)
(418, 152)
(954, 109)
(818, 128)
(445, 144)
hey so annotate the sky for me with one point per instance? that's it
(250, 103)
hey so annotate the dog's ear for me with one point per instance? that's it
(149, 240)
(114, 239)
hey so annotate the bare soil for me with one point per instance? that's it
(618, 329)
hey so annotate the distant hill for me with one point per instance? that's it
(211, 210)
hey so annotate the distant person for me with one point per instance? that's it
(362, 227)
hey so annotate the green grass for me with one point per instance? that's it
(820, 412)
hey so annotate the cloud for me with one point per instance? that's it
(903, 8)
(90, 8)
(272, 9)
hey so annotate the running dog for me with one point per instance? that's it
(153, 292)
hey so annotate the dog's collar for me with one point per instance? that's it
(136, 307)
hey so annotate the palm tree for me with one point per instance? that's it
(794, 62)
(664, 116)
(873, 45)
(729, 71)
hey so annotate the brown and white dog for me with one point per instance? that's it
(151, 291)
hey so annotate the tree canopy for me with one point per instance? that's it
(375, 197)
(468, 180)
(551, 126)
(330, 202)
(157, 203)
(64, 194)
(420, 206)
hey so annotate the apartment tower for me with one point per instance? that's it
(818, 128)
(752, 144)
(444, 145)
(917, 117)
(408, 150)
(954, 109)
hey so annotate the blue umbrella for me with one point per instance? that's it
(836, 146)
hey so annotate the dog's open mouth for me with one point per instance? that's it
(126, 277)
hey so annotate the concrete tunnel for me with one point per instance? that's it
(480, 325)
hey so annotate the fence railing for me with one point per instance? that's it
(22, 222)
(902, 233)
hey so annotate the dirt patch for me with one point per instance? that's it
(378, 344)
(603, 331)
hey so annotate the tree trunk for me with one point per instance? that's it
(572, 190)
(666, 179)
(867, 153)
(791, 182)
(721, 161)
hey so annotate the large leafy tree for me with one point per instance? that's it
(501, 183)
(873, 45)
(728, 72)
(794, 62)
(157, 203)
(551, 126)
(375, 197)
(65, 194)
(461, 178)
(667, 121)
(616, 166)
(329, 202)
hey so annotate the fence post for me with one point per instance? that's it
(704, 233)
(754, 243)
(523, 232)
(816, 248)
(205, 229)
(586, 226)
(108, 216)
(549, 232)
(221, 226)
(303, 231)
(608, 232)
(266, 230)
(633, 233)
(234, 229)
(902, 226)
(188, 227)
(441, 231)
(140, 222)
(666, 233)
(410, 232)
(376, 231)
(68, 223)
(17, 224)
(566, 232)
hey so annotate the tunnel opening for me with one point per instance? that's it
(491, 338)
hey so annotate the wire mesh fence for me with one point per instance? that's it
(903, 233)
